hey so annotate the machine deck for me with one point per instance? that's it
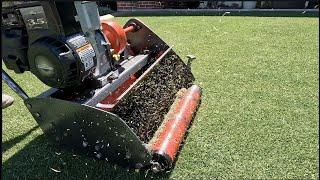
(121, 135)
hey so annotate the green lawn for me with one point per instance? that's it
(259, 111)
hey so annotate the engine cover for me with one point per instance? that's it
(62, 63)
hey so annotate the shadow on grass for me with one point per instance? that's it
(10, 143)
(41, 159)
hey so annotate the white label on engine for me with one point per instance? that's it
(86, 54)
(77, 41)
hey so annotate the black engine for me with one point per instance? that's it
(44, 38)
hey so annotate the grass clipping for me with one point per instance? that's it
(146, 105)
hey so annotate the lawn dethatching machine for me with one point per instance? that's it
(118, 93)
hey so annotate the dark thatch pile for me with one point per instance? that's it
(146, 105)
